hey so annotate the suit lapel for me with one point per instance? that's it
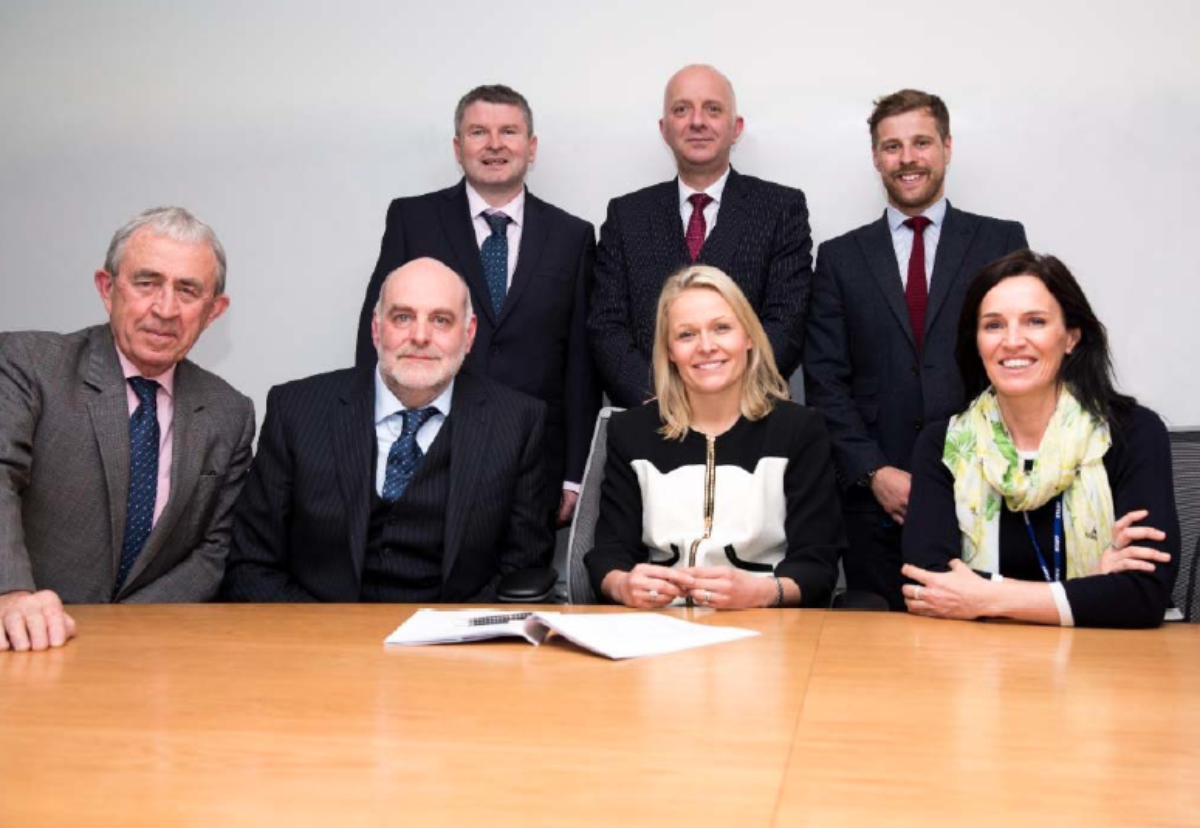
(533, 242)
(455, 214)
(953, 243)
(722, 243)
(109, 415)
(667, 229)
(469, 432)
(875, 240)
(352, 433)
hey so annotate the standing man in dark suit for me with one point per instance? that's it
(401, 481)
(753, 230)
(119, 459)
(879, 359)
(529, 267)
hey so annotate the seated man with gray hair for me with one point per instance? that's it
(403, 481)
(120, 460)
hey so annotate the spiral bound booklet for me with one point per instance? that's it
(615, 635)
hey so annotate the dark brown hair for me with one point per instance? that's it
(906, 100)
(1087, 369)
(494, 93)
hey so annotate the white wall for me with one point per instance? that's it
(289, 127)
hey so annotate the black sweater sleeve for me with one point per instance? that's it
(618, 539)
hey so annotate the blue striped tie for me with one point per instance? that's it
(495, 258)
(405, 456)
(143, 475)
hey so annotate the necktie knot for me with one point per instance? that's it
(917, 224)
(697, 227)
(146, 390)
(700, 200)
(498, 222)
(413, 420)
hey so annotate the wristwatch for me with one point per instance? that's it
(865, 480)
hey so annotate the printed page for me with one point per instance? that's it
(431, 626)
(630, 635)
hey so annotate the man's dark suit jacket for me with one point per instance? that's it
(64, 473)
(539, 343)
(860, 361)
(301, 523)
(761, 240)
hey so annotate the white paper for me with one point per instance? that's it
(615, 635)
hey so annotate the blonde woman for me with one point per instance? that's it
(720, 492)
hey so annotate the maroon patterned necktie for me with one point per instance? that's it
(916, 294)
(696, 224)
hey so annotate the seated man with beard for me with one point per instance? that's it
(406, 481)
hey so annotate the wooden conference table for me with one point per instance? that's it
(295, 716)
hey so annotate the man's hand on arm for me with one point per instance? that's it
(890, 486)
(33, 621)
(566, 506)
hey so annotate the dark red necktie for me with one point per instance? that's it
(696, 224)
(916, 294)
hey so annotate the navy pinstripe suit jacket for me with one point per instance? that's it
(761, 240)
(300, 525)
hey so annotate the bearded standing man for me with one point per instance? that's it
(879, 357)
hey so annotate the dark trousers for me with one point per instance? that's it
(872, 563)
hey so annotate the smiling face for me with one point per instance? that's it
(707, 344)
(1023, 338)
(495, 149)
(700, 122)
(911, 158)
(422, 330)
(161, 299)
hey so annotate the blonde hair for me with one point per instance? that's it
(761, 386)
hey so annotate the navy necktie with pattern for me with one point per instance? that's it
(143, 475)
(495, 258)
(405, 456)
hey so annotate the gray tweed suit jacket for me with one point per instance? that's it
(64, 473)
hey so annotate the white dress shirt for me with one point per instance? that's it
(389, 424)
(515, 210)
(902, 238)
(710, 211)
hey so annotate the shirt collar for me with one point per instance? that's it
(386, 403)
(936, 215)
(714, 191)
(165, 380)
(515, 209)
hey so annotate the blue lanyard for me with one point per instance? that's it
(1058, 540)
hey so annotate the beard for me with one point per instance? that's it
(403, 376)
(915, 199)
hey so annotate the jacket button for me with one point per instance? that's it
(915, 370)
(918, 425)
(495, 349)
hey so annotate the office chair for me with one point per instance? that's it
(1185, 465)
(583, 527)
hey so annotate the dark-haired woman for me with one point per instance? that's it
(1049, 498)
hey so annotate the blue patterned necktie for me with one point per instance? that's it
(405, 456)
(143, 475)
(495, 258)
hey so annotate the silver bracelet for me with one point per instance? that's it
(778, 593)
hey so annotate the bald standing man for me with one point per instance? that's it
(753, 230)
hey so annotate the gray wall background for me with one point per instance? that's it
(289, 127)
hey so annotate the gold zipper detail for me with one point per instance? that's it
(710, 488)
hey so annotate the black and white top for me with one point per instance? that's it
(761, 497)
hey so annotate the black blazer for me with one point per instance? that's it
(539, 343)
(860, 360)
(300, 525)
(761, 239)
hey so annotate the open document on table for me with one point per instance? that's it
(615, 635)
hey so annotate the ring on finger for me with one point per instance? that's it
(917, 593)
(653, 594)
(708, 596)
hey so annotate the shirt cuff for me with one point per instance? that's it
(568, 486)
(1065, 617)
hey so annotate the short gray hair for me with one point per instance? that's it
(175, 223)
(494, 93)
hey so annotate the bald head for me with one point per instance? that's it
(423, 329)
(700, 124)
(704, 74)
